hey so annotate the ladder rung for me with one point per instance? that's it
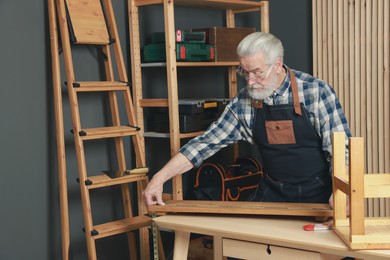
(105, 180)
(90, 86)
(121, 226)
(107, 132)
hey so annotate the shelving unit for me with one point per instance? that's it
(232, 7)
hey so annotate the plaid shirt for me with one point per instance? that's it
(236, 122)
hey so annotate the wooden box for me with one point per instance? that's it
(225, 41)
(357, 231)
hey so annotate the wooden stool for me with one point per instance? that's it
(357, 231)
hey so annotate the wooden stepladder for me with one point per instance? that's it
(92, 22)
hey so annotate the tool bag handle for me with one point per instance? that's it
(212, 182)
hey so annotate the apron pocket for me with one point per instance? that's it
(280, 132)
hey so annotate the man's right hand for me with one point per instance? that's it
(153, 193)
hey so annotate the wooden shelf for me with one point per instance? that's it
(154, 102)
(231, 8)
(213, 4)
(192, 64)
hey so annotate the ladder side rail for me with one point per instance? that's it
(91, 247)
(135, 56)
(120, 151)
(123, 77)
(139, 154)
(113, 30)
(60, 133)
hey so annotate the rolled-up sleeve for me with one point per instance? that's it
(231, 127)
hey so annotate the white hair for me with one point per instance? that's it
(256, 42)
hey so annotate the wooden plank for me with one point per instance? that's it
(356, 182)
(207, 64)
(386, 94)
(380, 107)
(319, 40)
(169, 25)
(265, 16)
(88, 23)
(339, 172)
(329, 43)
(346, 41)
(136, 72)
(377, 221)
(375, 97)
(377, 179)
(121, 226)
(324, 40)
(341, 185)
(335, 45)
(377, 191)
(369, 151)
(155, 102)
(340, 44)
(386, 86)
(351, 66)
(315, 38)
(362, 72)
(357, 66)
(217, 4)
(243, 208)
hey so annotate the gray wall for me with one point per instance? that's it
(30, 226)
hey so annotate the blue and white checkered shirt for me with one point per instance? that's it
(236, 122)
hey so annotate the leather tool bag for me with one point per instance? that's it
(212, 182)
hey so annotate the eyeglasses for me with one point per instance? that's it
(260, 75)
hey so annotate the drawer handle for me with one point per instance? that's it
(269, 249)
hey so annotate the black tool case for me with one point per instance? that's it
(194, 115)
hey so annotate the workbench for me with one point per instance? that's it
(260, 237)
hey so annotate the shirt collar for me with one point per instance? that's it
(283, 89)
(286, 83)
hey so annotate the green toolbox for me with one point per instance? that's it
(194, 52)
(181, 36)
(155, 52)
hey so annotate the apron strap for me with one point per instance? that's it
(294, 88)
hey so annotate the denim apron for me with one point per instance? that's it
(294, 165)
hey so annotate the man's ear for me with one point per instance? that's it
(279, 65)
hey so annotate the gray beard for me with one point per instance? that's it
(259, 94)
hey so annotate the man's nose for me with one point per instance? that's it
(251, 79)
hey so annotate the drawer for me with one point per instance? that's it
(252, 251)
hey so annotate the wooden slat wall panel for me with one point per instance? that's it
(351, 52)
